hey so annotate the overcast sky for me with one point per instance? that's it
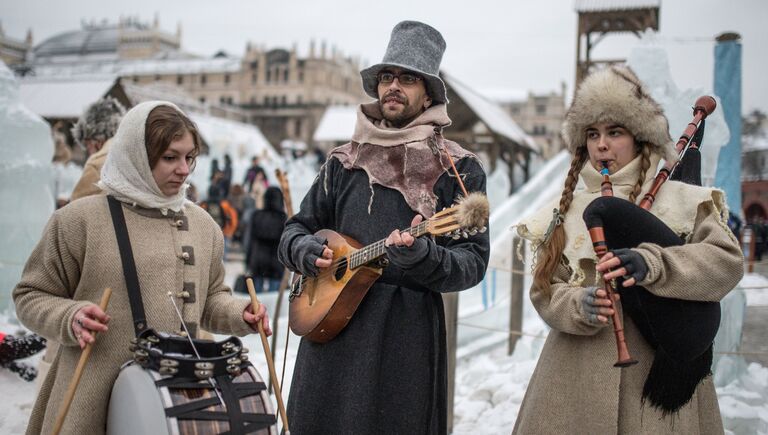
(492, 45)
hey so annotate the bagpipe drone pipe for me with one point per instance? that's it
(680, 331)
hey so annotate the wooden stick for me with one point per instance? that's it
(70, 394)
(268, 354)
(458, 177)
(282, 178)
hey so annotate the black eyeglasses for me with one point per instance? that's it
(404, 78)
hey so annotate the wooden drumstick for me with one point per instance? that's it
(268, 354)
(70, 394)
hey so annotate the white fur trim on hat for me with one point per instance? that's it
(616, 95)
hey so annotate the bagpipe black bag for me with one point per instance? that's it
(680, 331)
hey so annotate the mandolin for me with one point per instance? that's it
(322, 306)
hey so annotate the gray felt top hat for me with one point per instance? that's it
(416, 47)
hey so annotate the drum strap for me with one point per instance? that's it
(240, 422)
(129, 267)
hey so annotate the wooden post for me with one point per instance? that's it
(748, 246)
(451, 305)
(516, 294)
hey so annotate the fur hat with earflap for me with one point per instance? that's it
(99, 121)
(616, 95)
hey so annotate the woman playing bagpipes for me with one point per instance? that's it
(614, 126)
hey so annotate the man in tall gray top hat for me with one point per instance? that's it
(385, 372)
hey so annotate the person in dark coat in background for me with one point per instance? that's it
(266, 227)
(226, 182)
(254, 170)
(386, 371)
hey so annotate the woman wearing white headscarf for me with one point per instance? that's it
(177, 248)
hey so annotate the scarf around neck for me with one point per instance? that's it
(676, 205)
(126, 174)
(409, 159)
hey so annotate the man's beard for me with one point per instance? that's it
(404, 116)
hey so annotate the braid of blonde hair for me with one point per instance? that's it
(644, 166)
(550, 252)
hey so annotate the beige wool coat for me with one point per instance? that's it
(78, 257)
(575, 388)
(91, 175)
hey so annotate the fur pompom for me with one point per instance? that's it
(473, 211)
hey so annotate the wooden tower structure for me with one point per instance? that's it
(598, 18)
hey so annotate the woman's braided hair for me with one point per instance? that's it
(550, 253)
(645, 152)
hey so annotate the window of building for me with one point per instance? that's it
(541, 109)
(202, 100)
(226, 79)
(297, 128)
(269, 75)
(301, 76)
(299, 100)
(284, 101)
(179, 80)
(203, 80)
(285, 75)
(135, 79)
(254, 77)
(157, 78)
(266, 101)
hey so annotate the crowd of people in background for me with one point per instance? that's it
(237, 208)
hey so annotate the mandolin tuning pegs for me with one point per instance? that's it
(483, 229)
(473, 231)
(465, 234)
(456, 236)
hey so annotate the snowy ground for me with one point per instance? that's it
(489, 384)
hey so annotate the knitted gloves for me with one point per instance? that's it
(406, 257)
(306, 250)
(633, 263)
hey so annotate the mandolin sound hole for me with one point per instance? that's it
(340, 270)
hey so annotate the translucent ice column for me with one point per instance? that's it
(26, 200)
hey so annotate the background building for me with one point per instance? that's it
(541, 116)
(754, 167)
(280, 91)
(14, 51)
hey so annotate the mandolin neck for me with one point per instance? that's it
(376, 250)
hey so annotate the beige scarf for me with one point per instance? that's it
(676, 205)
(407, 159)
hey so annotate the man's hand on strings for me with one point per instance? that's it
(405, 238)
(404, 250)
(326, 258)
(311, 253)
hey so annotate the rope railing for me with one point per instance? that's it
(539, 336)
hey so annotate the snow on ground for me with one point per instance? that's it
(490, 385)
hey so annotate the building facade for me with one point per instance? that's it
(14, 51)
(541, 116)
(279, 90)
